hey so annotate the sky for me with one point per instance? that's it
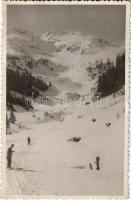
(107, 22)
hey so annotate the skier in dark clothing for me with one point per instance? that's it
(97, 163)
(9, 155)
(28, 140)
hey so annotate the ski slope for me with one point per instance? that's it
(52, 165)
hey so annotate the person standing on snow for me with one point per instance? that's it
(9, 156)
(97, 163)
(28, 140)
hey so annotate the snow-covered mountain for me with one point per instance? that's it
(54, 164)
(51, 43)
(68, 55)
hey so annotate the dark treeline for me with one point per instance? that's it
(24, 83)
(114, 78)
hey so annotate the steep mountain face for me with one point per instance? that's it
(64, 58)
(24, 42)
(51, 43)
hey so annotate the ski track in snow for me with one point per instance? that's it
(20, 180)
(17, 181)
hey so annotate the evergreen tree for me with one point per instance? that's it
(112, 80)
(12, 117)
(7, 122)
(50, 84)
(30, 65)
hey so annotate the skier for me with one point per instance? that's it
(28, 140)
(9, 156)
(90, 165)
(97, 163)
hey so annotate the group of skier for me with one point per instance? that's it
(10, 152)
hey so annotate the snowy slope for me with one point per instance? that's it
(52, 165)
(77, 52)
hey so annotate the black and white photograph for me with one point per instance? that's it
(66, 100)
